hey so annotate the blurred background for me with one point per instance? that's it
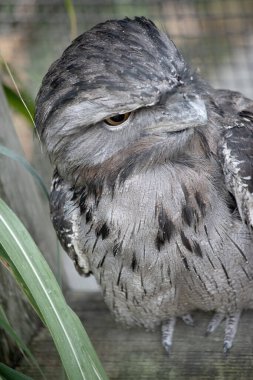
(216, 36)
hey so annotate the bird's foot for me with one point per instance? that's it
(168, 330)
(167, 334)
(232, 321)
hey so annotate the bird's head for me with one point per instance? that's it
(120, 90)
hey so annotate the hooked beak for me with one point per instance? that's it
(181, 111)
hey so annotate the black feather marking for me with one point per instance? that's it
(186, 192)
(246, 114)
(202, 281)
(237, 246)
(124, 289)
(197, 273)
(232, 205)
(117, 248)
(83, 207)
(249, 277)
(101, 262)
(162, 272)
(82, 202)
(160, 240)
(208, 238)
(129, 164)
(166, 226)
(184, 260)
(142, 284)
(119, 275)
(200, 203)
(134, 262)
(88, 216)
(210, 261)
(197, 249)
(91, 226)
(187, 215)
(62, 101)
(94, 245)
(225, 271)
(100, 277)
(186, 241)
(102, 231)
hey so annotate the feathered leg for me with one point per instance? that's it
(230, 330)
(168, 330)
(232, 321)
(167, 333)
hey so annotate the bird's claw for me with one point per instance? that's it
(214, 323)
(167, 333)
(168, 330)
(232, 321)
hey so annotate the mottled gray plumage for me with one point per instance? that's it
(158, 207)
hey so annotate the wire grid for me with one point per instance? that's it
(215, 36)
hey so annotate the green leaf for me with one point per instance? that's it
(20, 159)
(27, 263)
(16, 103)
(20, 100)
(11, 374)
(5, 325)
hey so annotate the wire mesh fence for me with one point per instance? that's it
(215, 36)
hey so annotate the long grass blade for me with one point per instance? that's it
(16, 88)
(16, 103)
(8, 373)
(6, 326)
(72, 18)
(22, 255)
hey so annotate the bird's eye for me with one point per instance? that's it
(117, 119)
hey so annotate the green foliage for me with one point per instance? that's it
(7, 373)
(6, 326)
(19, 100)
(16, 103)
(21, 255)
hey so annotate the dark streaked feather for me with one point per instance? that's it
(65, 215)
(236, 151)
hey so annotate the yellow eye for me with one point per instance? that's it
(117, 119)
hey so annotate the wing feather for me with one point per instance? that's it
(236, 150)
(65, 215)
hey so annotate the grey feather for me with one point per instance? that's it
(150, 204)
(236, 151)
(65, 215)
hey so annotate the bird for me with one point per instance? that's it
(152, 190)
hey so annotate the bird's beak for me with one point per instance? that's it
(182, 111)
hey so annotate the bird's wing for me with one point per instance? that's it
(65, 215)
(236, 150)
